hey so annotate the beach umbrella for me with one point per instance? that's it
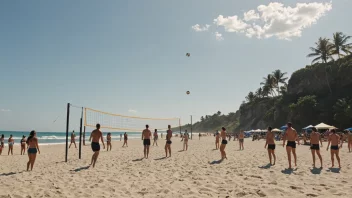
(349, 129)
(323, 126)
(308, 127)
(283, 128)
(276, 130)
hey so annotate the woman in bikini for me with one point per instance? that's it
(11, 142)
(2, 143)
(108, 142)
(33, 148)
(125, 139)
(23, 145)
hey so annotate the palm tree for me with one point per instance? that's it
(279, 77)
(339, 44)
(269, 84)
(259, 92)
(250, 97)
(322, 52)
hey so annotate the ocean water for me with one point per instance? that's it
(60, 137)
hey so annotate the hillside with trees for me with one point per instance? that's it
(320, 92)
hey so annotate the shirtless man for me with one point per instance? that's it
(349, 141)
(291, 137)
(168, 141)
(155, 137)
(73, 136)
(241, 139)
(271, 144)
(223, 143)
(185, 141)
(146, 134)
(334, 139)
(95, 136)
(217, 140)
(314, 146)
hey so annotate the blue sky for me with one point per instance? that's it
(118, 56)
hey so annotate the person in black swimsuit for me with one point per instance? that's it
(146, 134)
(95, 136)
(168, 141)
(334, 140)
(270, 142)
(291, 137)
(223, 143)
(125, 140)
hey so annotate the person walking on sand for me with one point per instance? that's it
(11, 142)
(146, 134)
(33, 148)
(168, 141)
(241, 139)
(223, 143)
(125, 140)
(108, 142)
(2, 139)
(73, 141)
(155, 137)
(334, 140)
(23, 145)
(95, 136)
(217, 140)
(185, 141)
(270, 142)
(314, 146)
(291, 137)
(349, 141)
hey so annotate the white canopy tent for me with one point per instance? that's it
(276, 130)
(324, 126)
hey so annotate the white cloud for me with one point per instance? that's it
(198, 28)
(132, 111)
(218, 36)
(5, 110)
(250, 15)
(275, 20)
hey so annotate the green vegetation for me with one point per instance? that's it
(320, 92)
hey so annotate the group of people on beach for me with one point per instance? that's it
(291, 136)
(32, 147)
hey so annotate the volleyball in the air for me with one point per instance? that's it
(188, 54)
(188, 92)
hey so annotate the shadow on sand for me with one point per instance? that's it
(316, 171)
(334, 170)
(266, 166)
(216, 162)
(8, 174)
(138, 160)
(180, 150)
(81, 168)
(160, 158)
(288, 171)
(215, 149)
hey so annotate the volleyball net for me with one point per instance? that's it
(123, 123)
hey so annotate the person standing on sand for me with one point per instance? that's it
(23, 145)
(314, 146)
(95, 136)
(241, 139)
(33, 148)
(155, 137)
(291, 137)
(2, 139)
(168, 141)
(217, 140)
(223, 143)
(73, 141)
(349, 141)
(108, 142)
(199, 136)
(146, 134)
(334, 139)
(11, 142)
(185, 141)
(125, 140)
(271, 145)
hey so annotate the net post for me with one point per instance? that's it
(80, 135)
(67, 128)
(191, 128)
(84, 135)
(179, 124)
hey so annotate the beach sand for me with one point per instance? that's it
(195, 173)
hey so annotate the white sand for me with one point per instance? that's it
(119, 173)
